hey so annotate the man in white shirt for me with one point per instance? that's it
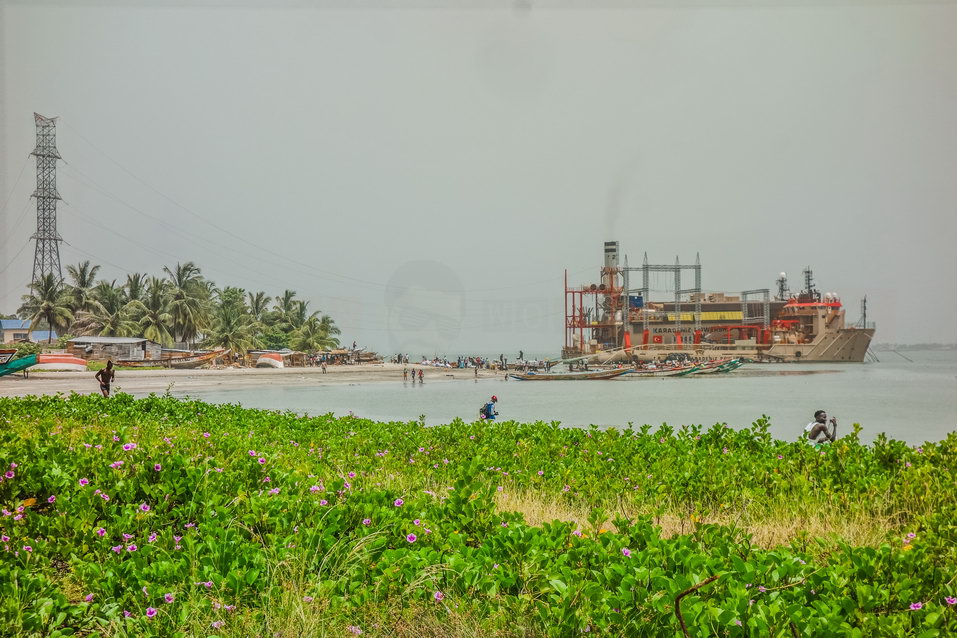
(816, 431)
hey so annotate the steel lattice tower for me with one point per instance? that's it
(46, 259)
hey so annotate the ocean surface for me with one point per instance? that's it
(915, 401)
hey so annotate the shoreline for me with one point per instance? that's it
(158, 381)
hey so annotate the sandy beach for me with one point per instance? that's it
(158, 381)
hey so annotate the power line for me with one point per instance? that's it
(15, 184)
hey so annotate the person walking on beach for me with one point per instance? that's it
(817, 432)
(323, 366)
(420, 376)
(105, 377)
(405, 373)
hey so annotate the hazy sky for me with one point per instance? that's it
(426, 174)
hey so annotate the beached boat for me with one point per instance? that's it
(9, 365)
(60, 363)
(180, 362)
(571, 376)
(677, 371)
(270, 360)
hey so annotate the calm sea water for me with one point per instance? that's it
(913, 401)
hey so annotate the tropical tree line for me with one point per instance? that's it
(179, 306)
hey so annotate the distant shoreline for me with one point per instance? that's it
(158, 381)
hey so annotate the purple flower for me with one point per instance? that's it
(950, 600)
(411, 538)
(626, 552)
(916, 606)
(352, 475)
(157, 467)
(398, 502)
(117, 548)
(144, 507)
(28, 549)
(10, 474)
(323, 502)
(206, 434)
(52, 499)
(307, 599)
(168, 598)
(128, 447)
(89, 598)
(262, 461)
(84, 481)
(131, 548)
(353, 629)
(217, 624)
(152, 537)
(367, 521)
(314, 488)
(416, 522)
(150, 612)
(438, 596)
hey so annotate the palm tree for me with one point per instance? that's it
(233, 326)
(111, 315)
(81, 290)
(153, 316)
(188, 300)
(284, 309)
(48, 301)
(315, 334)
(259, 306)
(135, 287)
(298, 317)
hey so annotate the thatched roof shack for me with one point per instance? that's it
(123, 348)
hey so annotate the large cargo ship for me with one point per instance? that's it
(616, 319)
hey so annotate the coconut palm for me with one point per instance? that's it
(82, 277)
(188, 300)
(135, 287)
(233, 326)
(153, 317)
(48, 301)
(315, 335)
(111, 315)
(284, 309)
(259, 306)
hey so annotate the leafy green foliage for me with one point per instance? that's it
(217, 514)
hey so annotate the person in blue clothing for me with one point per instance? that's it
(488, 410)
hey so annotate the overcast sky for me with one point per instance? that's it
(425, 175)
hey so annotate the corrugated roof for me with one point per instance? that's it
(108, 340)
(14, 324)
(42, 335)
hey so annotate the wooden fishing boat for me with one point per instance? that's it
(712, 366)
(60, 363)
(9, 365)
(571, 376)
(6, 354)
(734, 364)
(270, 360)
(179, 362)
(676, 371)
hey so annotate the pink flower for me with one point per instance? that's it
(206, 434)
(950, 600)
(101, 532)
(323, 502)
(352, 475)
(353, 629)
(307, 599)
(144, 507)
(626, 552)
(150, 612)
(262, 461)
(157, 467)
(10, 474)
(416, 522)
(367, 521)
(438, 596)
(411, 538)
(84, 481)
(398, 502)
(89, 598)
(131, 548)
(4, 538)
(916, 606)
(314, 488)
(52, 499)
(217, 624)
(27, 548)
(169, 598)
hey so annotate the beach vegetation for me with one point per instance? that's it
(160, 516)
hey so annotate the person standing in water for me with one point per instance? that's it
(105, 377)
(420, 375)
